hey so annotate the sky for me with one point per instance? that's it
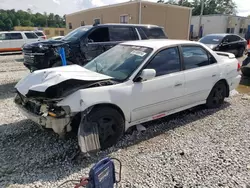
(62, 7)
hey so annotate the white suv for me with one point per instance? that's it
(14, 40)
(132, 83)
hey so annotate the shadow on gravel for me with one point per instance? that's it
(19, 60)
(7, 90)
(29, 154)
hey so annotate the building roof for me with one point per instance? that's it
(127, 3)
(158, 43)
(210, 15)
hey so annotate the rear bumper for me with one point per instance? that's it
(59, 125)
(235, 82)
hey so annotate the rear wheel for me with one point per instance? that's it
(217, 95)
(110, 125)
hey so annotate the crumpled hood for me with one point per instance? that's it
(43, 79)
(45, 43)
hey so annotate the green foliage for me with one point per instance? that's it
(210, 6)
(11, 18)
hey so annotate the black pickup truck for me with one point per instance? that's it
(85, 43)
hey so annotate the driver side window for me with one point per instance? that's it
(99, 35)
(165, 62)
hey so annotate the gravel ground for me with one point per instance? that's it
(195, 148)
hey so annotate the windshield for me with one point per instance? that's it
(77, 33)
(211, 39)
(120, 61)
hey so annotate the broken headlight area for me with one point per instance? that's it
(41, 108)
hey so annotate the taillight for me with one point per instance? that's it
(238, 68)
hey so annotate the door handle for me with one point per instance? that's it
(178, 84)
(213, 75)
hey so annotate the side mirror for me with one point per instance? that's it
(147, 74)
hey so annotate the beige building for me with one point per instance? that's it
(175, 19)
(48, 31)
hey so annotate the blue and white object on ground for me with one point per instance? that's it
(61, 52)
(102, 174)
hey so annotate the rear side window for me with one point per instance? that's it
(195, 56)
(122, 34)
(40, 34)
(31, 35)
(15, 36)
(235, 38)
(154, 33)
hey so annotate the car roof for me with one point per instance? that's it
(128, 25)
(220, 34)
(15, 31)
(158, 43)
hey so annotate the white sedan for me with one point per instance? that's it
(132, 83)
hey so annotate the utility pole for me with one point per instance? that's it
(139, 11)
(202, 8)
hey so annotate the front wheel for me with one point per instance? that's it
(110, 123)
(217, 95)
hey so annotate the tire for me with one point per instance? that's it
(59, 63)
(217, 95)
(108, 119)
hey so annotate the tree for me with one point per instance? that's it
(8, 24)
(2, 26)
(12, 18)
(210, 6)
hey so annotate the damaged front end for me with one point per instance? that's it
(40, 96)
(45, 113)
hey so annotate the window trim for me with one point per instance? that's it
(123, 15)
(196, 45)
(153, 56)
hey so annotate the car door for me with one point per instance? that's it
(163, 93)
(225, 44)
(16, 40)
(201, 73)
(4, 42)
(96, 42)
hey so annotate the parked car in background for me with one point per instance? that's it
(56, 38)
(85, 43)
(14, 40)
(226, 42)
(131, 83)
(245, 68)
(41, 35)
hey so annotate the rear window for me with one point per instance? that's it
(40, 34)
(154, 33)
(31, 35)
